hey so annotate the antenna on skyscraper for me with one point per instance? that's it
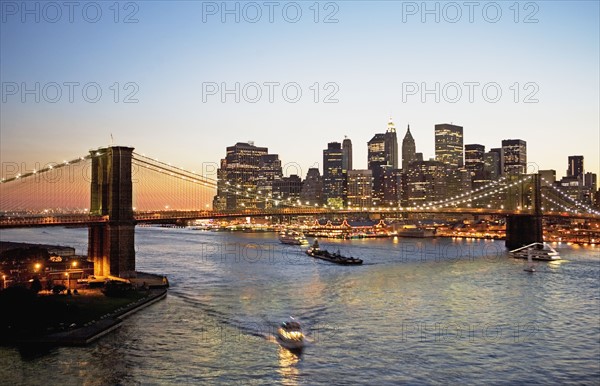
(112, 140)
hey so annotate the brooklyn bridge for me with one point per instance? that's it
(112, 189)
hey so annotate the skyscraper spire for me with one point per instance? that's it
(408, 150)
(391, 127)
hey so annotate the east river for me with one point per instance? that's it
(419, 311)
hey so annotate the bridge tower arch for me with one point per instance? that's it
(111, 245)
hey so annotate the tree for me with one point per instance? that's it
(36, 285)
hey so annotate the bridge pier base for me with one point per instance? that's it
(111, 245)
(523, 230)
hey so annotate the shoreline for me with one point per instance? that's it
(94, 330)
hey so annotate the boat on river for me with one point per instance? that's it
(335, 257)
(536, 251)
(290, 335)
(293, 238)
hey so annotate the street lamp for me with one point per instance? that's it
(68, 280)
(4, 281)
(73, 265)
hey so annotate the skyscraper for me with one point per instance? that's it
(346, 154)
(425, 182)
(382, 153)
(376, 157)
(391, 145)
(243, 169)
(515, 156)
(449, 144)
(498, 150)
(360, 187)
(392, 186)
(409, 150)
(474, 160)
(312, 188)
(333, 176)
(575, 168)
(491, 168)
(269, 172)
(289, 188)
(589, 180)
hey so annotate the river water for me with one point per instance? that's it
(419, 311)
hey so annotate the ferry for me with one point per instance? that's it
(536, 251)
(290, 335)
(293, 238)
(335, 257)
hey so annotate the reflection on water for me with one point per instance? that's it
(418, 312)
(288, 366)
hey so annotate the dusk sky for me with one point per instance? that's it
(169, 61)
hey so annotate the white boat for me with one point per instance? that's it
(290, 335)
(536, 251)
(530, 267)
(293, 237)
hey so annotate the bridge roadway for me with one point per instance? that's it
(149, 217)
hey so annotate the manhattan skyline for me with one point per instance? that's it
(369, 59)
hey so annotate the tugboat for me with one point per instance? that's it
(290, 335)
(335, 257)
(293, 238)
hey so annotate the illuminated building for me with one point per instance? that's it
(360, 189)
(449, 144)
(515, 156)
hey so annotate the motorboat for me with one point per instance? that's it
(536, 251)
(290, 335)
(335, 257)
(293, 238)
